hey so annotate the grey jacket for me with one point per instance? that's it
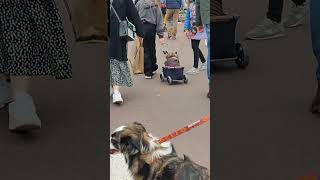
(150, 12)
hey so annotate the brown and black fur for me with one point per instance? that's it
(172, 59)
(134, 142)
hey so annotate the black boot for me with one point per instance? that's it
(315, 107)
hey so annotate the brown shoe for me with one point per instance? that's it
(315, 107)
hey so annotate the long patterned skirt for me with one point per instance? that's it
(32, 40)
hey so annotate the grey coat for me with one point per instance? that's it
(150, 12)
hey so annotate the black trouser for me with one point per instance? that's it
(149, 44)
(275, 9)
(197, 53)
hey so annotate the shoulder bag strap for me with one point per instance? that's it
(115, 12)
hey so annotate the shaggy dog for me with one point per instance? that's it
(148, 160)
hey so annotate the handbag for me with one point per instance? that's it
(137, 62)
(126, 28)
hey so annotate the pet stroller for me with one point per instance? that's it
(173, 74)
(224, 46)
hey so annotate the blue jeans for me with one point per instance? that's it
(315, 30)
(207, 27)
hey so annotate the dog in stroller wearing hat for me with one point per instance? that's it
(172, 71)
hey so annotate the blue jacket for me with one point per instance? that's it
(187, 22)
(190, 22)
(173, 4)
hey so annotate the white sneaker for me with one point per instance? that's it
(193, 71)
(5, 91)
(296, 15)
(117, 99)
(203, 66)
(148, 77)
(22, 114)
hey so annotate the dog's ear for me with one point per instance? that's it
(130, 145)
(186, 158)
(139, 126)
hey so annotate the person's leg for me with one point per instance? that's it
(6, 95)
(148, 50)
(203, 61)
(22, 111)
(116, 88)
(298, 2)
(195, 48)
(153, 31)
(297, 13)
(271, 26)
(275, 10)
(175, 18)
(169, 14)
(315, 36)
(202, 58)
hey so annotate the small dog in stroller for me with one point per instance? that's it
(172, 71)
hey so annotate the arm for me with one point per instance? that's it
(159, 23)
(198, 14)
(133, 16)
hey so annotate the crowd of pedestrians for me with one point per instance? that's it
(153, 18)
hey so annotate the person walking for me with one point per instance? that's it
(173, 8)
(196, 37)
(119, 69)
(163, 10)
(203, 22)
(272, 27)
(151, 17)
(33, 43)
(315, 37)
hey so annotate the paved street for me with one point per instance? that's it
(262, 127)
(163, 108)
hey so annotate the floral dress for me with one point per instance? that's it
(32, 40)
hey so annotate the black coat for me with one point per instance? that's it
(125, 9)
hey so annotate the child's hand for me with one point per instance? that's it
(200, 29)
(188, 34)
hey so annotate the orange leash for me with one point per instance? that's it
(180, 131)
(183, 130)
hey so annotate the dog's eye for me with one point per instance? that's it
(113, 135)
(125, 140)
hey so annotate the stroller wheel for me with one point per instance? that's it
(185, 80)
(161, 77)
(169, 79)
(243, 59)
